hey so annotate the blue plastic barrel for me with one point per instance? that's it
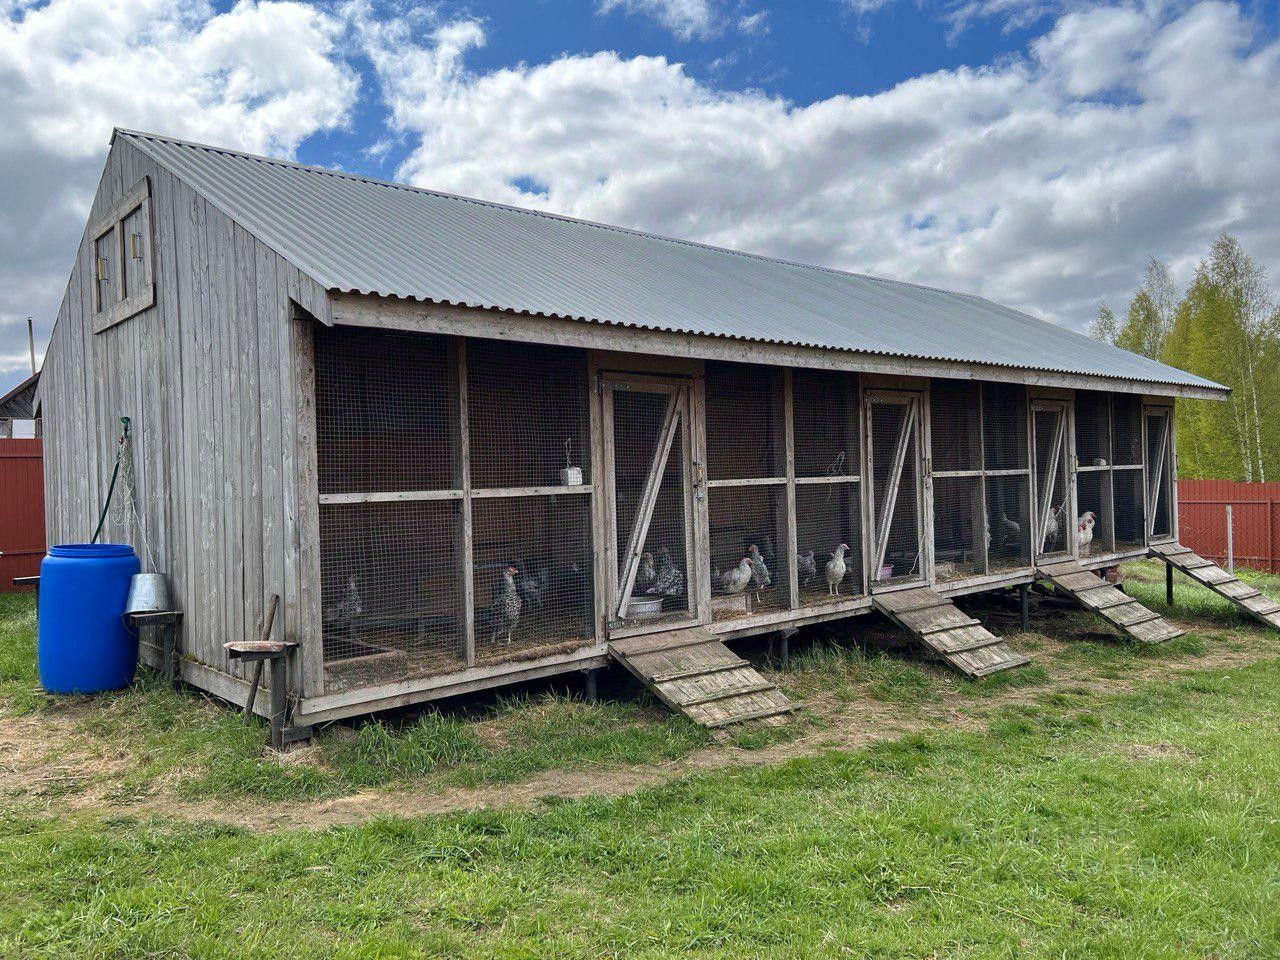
(83, 645)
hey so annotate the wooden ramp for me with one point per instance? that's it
(1208, 573)
(1113, 605)
(935, 621)
(695, 674)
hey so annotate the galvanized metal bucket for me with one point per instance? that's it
(148, 593)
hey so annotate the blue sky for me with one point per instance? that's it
(1034, 151)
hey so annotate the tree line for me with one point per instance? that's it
(1225, 326)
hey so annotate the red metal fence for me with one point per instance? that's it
(21, 510)
(1255, 521)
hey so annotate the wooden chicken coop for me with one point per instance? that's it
(470, 445)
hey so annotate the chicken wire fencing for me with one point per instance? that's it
(825, 423)
(1007, 476)
(895, 488)
(1053, 508)
(649, 435)
(532, 575)
(1159, 467)
(829, 542)
(397, 522)
(955, 441)
(744, 422)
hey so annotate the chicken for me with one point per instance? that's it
(1052, 526)
(532, 588)
(646, 573)
(669, 580)
(806, 567)
(735, 580)
(1084, 531)
(836, 569)
(760, 577)
(503, 615)
(347, 610)
(1009, 529)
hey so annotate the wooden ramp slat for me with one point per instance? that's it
(960, 640)
(695, 674)
(1220, 581)
(1094, 593)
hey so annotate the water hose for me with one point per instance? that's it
(102, 519)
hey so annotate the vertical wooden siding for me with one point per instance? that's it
(207, 377)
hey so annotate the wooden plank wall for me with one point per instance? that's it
(207, 377)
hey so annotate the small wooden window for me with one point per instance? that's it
(122, 269)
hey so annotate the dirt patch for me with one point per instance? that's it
(1157, 751)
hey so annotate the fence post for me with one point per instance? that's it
(1231, 547)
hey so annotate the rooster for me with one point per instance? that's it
(836, 569)
(1084, 531)
(503, 615)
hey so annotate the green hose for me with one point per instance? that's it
(114, 474)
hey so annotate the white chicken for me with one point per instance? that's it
(836, 569)
(1084, 532)
(735, 579)
(1052, 530)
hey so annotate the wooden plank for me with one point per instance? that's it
(1260, 604)
(1211, 576)
(650, 642)
(1170, 549)
(906, 601)
(1079, 582)
(758, 686)
(1235, 590)
(1055, 568)
(1099, 600)
(1128, 614)
(934, 618)
(960, 639)
(1156, 630)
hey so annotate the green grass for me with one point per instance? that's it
(1141, 826)
(1144, 581)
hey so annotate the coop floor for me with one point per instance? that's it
(374, 658)
(927, 812)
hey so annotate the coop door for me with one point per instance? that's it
(647, 452)
(1053, 525)
(1158, 424)
(893, 453)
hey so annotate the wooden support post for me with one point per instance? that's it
(1024, 606)
(1168, 583)
(784, 647)
(279, 702)
(591, 691)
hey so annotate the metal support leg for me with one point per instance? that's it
(1168, 583)
(1024, 606)
(278, 702)
(591, 692)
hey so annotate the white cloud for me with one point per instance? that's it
(261, 76)
(1044, 182)
(685, 18)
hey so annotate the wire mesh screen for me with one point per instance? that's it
(895, 490)
(1008, 520)
(1126, 429)
(1129, 513)
(1004, 426)
(386, 411)
(1093, 428)
(954, 425)
(748, 526)
(389, 579)
(1053, 535)
(959, 535)
(527, 406)
(825, 423)
(828, 517)
(661, 581)
(532, 575)
(1158, 475)
(1095, 512)
(744, 421)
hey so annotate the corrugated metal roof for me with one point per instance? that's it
(357, 235)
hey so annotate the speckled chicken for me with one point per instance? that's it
(735, 579)
(760, 576)
(669, 579)
(806, 567)
(347, 610)
(646, 573)
(503, 615)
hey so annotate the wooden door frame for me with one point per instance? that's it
(915, 399)
(1065, 406)
(1168, 451)
(684, 390)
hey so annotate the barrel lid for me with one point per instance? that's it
(83, 550)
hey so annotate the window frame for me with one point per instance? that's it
(110, 227)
